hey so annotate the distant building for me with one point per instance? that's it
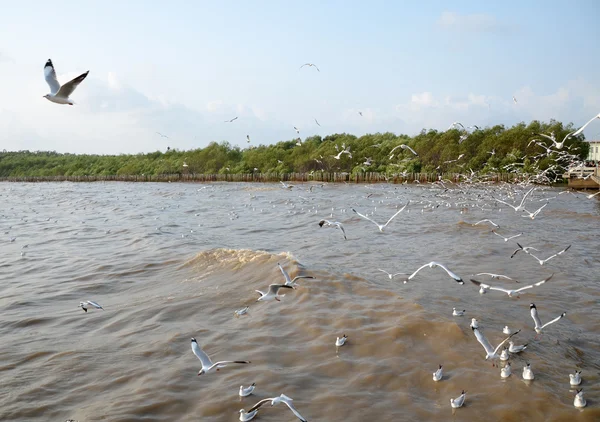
(594, 154)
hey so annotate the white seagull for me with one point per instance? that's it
(288, 280)
(487, 221)
(527, 372)
(89, 304)
(381, 226)
(390, 275)
(505, 372)
(506, 330)
(534, 214)
(340, 341)
(543, 261)
(459, 401)
(276, 400)
(311, 65)
(272, 292)
(491, 353)
(456, 312)
(207, 365)
(439, 374)
(536, 319)
(512, 348)
(579, 400)
(506, 239)
(241, 312)
(498, 276)
(60, 94)
(504, 354)
(245, 392)
(575, 379)
(510, 292)
(474, 323)
(525, 249)
(337, 224)
(437, 264)
(247, 416)
(520, 206)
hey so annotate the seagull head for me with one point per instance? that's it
(47, 96)
(201, 372)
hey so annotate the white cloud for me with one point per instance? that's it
(470, 23)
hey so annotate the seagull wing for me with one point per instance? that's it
(289, 404)
(450, 273)
(274, 288)
(553, 321)
(366, 218)
(392, 217)
(384, 271)
(68, 88)
(95, 305)
(505, 340)
(301, 276)
(505, 203)
(224, 363)
(260, 403)
(497, 235)
(525, 196)
(536, 318)
(407, 147)
(419, 269)
(480, 284)
(342, 229)
(539, 283)
(584, 126)
(395, 148)
(288, 280)
(204, 359)
(50, 76)
(483, 341)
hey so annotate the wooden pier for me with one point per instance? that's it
(583, 178)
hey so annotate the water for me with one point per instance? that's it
(173, 261)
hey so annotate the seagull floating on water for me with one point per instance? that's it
(575, 379)
(510, 292)
(527, 372)
(247, 416)
(381, 226)
(340, 341)
(60, 94)
(506, 330)
(512, 348)
(505, 372)
(504, 354)
(241, 312)
(579, 399)
(245, 392)
(459, 401)
(207, 365)
(456, 312)
(276, 400)
(439, 374)
(89, 304)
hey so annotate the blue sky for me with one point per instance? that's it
(181, 68)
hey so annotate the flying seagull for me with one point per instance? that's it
(520, 207)
(162, 136)
(381, 226)
(506, 239)
(543, 261)
(437, 264)
(337, 224)
(207, 365)
(536, 319)
(276, 400)
(288, 280)
(60, 94)
(311, 65)
(88, 303)
(229, 121)
(490, 352)
(317, 122)
(510, 292)
(272, 292)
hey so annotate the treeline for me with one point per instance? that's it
(491, 149)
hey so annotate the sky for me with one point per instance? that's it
(182, 68)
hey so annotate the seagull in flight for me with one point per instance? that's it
(490, 352)
(536, 319)
(288, 280)
(543, 261)
(272, 292)
(403, 146)
(89, 303)
(534, 214)
(487, 221)
(506, 239)
(276, 400)
(317, 122)
(498, 276)
(437, 264)
(381, 226)
(510, 292)
(207, 365)
(390, 275)
(456, 124)
(232, 120)
(161, 135)
(514, 99)
(311, 65)
(60, 94)
(520, 206)
(525, 249)
(337, 224)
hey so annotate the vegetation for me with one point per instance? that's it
(491, 149)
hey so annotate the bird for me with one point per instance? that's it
(511, 292)
(527, 372)
(247, 416)
(317, 122)
(459, 401)
(437, 264)
(296, 129)
(498, 276)
(575, 379)
(504, 354)
(506, 330)
(456, 124)
(310, 65)
(536, 319)
(409, 148)
(456, 312)
(474, 323)
(506, 239)
(514, 99)
(525, 249)
(88, 303)
(288, 280)
(207, 365)
(490, 353)
(60, 94)
(241, 312)
(360, 112)
(439, 374)
(232, 120)
(505, 372)
(272, 292)
(543, 261)
(487, 221)
(390, 275)
(512, 348)
(520, 206)
(276, 400)
(381, 226)
(248, 138)
(579, 400)
(340, 341)
(337, 224)
(533, 214)
(162, 136)
(245, 392)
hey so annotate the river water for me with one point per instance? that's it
(173, 261)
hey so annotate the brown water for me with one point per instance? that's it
(173, 261)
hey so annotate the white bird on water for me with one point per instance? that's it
(474, 323)
(575, 379)
(510, 292)
(207, 365)
(272, 292)
(340, 341)
(437, 264)
(381, 226)
(245, 392)
(579, 399)
(456, 312)
(288, 280)
(241, 312)
(276, 400)
(512, 348)
(439, 374)
(527, 372)
(247, 416)
(459, 401)
(505, 372)
(504, 355)
(536, 319)
(506, 330)
(490, 352)
(89, 304)
(60, 94)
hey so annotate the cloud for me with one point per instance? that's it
(453, 21)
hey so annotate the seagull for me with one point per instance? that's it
(439, 374)
(288, 280)
(437, 264)
(511, 292)
(403, 147)
(516, 349)
(60, 94)
(498, 276)
(360, 112)
(340, 341)
(489, 352)
(474, 323)
(456, 124)
(161, 135)
(520, 206)
(245, 392)
(87, 303)
(276, 400)
(458, 313)
(536, 319)
(381, 226)
(514, 99)
(584, 126)
(459, 401)
(272, 292)
(504, 354)
(207, 365)
(390, 275)
(241, 312)
(247, 416)
(527, 372)
(248, 138)
(505, 372)
(506, 239)
(525, 249)
(311, 65)
(579, 400)
(575, 379)
(487, 221)
(296, 129)
(317, 122)
(534, 214)
(337, 224)
(506, 331)
(286, 186)
(543, 261)
(232, 120)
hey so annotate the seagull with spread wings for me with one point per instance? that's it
(207, 365)
(510, 292)
(59, 94)
(381, 226)
(311, 65)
